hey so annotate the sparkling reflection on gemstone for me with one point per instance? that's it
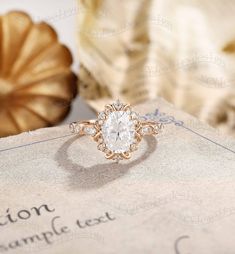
(118, 131)
(89, 130)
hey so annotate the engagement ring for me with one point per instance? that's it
(118, 130)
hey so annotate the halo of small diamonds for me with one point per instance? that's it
(117, 130)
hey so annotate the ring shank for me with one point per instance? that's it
(80, 126)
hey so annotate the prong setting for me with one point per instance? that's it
(118, 130)
(126, 110)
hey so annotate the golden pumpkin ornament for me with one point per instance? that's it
(36, 82)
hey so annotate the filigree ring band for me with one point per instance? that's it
(118, 130)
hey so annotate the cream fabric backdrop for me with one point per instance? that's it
(181, 50)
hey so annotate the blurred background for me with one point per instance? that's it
(86, 53)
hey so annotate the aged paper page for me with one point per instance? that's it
(176, 195)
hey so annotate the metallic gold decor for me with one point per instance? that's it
(36, 81)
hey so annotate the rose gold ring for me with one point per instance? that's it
(118, 130)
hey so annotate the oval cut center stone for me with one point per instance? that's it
(118, 131)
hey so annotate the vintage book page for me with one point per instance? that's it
(176, 195)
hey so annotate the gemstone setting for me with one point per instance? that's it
(89, 130)
(118, 131)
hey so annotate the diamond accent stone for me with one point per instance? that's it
(89, 130)
(133, 147)
(135, 121)
(118, 105)
(146, 130)
(101, 115)
(100, 122)
(118, 131)
(101, 147)
(75, 127)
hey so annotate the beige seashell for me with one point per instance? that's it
(36, 82)
(139, 50)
